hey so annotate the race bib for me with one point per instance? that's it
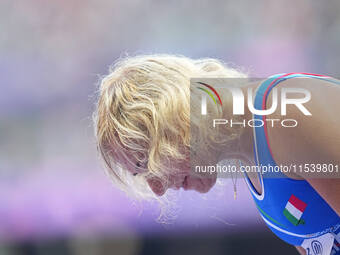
(321, 245)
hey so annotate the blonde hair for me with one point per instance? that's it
(143, 114)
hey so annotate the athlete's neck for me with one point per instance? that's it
(243, 148)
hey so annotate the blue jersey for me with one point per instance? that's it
(292, 209)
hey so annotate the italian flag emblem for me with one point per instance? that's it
(294, 210)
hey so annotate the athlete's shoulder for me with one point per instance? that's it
(305, 80)
(316, 136)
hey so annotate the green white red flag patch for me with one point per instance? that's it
(294, 210)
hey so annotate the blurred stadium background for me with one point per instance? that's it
(54, 196)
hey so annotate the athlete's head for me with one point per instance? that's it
(143, 122)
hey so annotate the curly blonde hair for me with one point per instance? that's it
(143, 115)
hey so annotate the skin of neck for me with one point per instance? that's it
(245, 143)
(245, 151)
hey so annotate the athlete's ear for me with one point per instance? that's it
(156, 186)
